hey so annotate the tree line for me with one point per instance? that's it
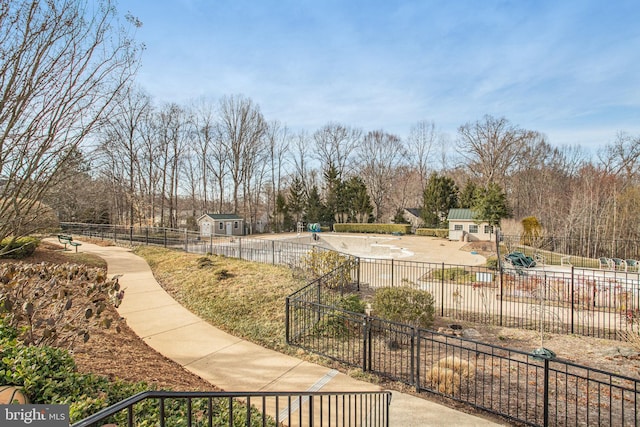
(82, 141)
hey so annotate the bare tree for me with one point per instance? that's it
(278, 138)
(150, 173)
(379, 158)
(301, 157)
(240, 130)
(172, 133)
(62, 64)
(491, 147)
(334, 146)
(420, 146)
(203, 113)
(122, 143)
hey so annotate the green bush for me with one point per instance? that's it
(454, 274)
(443, 233)
(48, 375)
(19, 248)
(492, 263)
(351, 303)
(319, 263)
(372, 228)
(405, 305)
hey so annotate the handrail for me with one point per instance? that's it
(379, 418)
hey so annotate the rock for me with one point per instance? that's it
(471, 333)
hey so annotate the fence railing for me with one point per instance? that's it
(164, 408)
(580, 252)
(511, 383)
(520, 386)
(582, 301)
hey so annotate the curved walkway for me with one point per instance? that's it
(234, 364)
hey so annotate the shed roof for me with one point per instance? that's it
(460, 215)
(222, 216)
(413, 211)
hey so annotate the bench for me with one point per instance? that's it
(67, 239)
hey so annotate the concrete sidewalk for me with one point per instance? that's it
(234, 364)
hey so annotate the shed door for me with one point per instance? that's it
(229, 228)
(455, 235)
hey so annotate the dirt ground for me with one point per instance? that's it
(118, 352)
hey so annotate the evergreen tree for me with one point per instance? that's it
(468, 195)
(333, 194)
(399, 218)
(491, 205)
(314, 209)
(440, 195)
(296, 200)
(283, 220)
(357, 201)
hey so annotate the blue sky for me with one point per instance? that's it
(568, 69)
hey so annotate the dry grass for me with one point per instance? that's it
(448, 373)
(243, 298)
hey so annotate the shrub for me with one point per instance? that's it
(320, 263)
(454, 274)
(492, 263)
(49, 375)
(405, 305)
(448, 373)
(351, 303)
(443, 233)
(37, 299)
(372, 228)
(20, 248)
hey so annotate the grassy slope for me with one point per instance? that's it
(243, 298)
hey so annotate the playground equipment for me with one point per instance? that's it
(314, 227)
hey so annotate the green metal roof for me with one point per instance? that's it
(223, 216)
(460, 214)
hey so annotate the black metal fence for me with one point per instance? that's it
(580, 252)
(273, 409)
(564, 300)
(520, 386)
(589, 302)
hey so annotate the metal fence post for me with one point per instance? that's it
(273, 252)
(392, 272)
(165, 237)
(146, 236)
(413, 355)
(365, 352)
(572, 299)
(186, 240)
(287, 306)
(131, 235)
(545, 401)
(501, 295)
(416, 366)
(442, 292)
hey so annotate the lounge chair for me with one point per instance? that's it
(606, 263)
(632, 264)
(619, 264)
